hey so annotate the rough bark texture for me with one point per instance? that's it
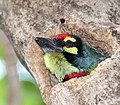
(95, 21)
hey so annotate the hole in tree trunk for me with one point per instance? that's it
(98, 45)
(62, 20)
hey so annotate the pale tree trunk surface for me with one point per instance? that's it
(95, 21)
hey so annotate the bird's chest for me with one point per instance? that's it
(54, 61)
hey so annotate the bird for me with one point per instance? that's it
(67, 56)
(60, 54)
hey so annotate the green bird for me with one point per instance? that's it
(67, 56)
(59, 53)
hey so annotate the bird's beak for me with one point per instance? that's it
(48, 45)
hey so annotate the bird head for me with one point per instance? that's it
(61, 43)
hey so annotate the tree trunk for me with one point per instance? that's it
(95, 21)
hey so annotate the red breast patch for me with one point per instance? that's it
(74, 75)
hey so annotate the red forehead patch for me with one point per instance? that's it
(61, 36)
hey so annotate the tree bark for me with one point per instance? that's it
(96, 21)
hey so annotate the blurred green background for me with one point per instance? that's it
(29, 92)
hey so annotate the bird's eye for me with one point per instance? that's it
(70, 44)
(58, 42)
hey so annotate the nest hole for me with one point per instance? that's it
(62, 20)
(95, 50)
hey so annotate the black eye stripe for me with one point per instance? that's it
(59, 42)
(70, 44)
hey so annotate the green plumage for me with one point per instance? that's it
(58, 65)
